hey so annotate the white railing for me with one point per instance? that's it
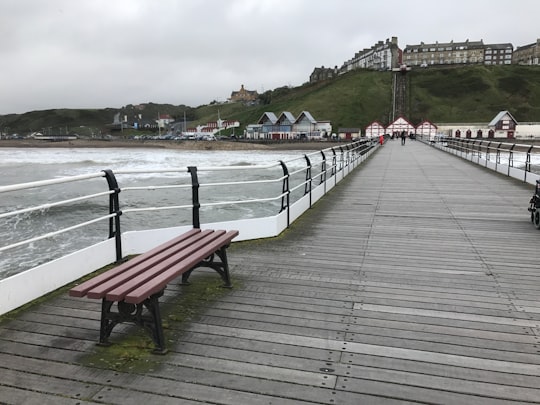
(520, 161)
(208, 197)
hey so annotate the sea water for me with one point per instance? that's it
(32, 164)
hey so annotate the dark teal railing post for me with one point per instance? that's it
(195, 196)
(479, 150)
(334, 166)
(334, 163)
(286, 192)
(511, 158)
(323, 170)
(528, 162)
(114, 208)
(307, 186)
(498, 154)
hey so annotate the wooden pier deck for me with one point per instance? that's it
(417, 280)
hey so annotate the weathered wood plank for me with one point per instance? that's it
(415, 280)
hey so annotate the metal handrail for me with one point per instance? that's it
(341, 158)
(515, 155)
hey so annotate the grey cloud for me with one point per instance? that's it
(102, 53)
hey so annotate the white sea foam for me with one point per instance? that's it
(31, 164)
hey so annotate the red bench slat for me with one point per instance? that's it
(160, 281)
(82, 289)
(144, 267)
(119, 292)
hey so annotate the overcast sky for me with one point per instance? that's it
(110, 53)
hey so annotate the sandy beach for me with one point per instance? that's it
(183, 145)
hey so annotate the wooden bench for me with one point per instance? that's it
(138, 284)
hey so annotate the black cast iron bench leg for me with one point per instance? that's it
(222, 268)
(150, 321)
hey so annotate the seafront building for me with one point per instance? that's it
(502, 126)
(286, 127)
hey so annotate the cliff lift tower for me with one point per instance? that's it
(400, 85)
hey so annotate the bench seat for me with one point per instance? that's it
(138, 284)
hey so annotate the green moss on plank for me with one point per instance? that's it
(132, 351)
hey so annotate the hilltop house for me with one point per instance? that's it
(387, 56)
(322, 73)
(528, 54)
(381, 56)
(243, 96)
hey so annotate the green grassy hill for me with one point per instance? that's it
(465, 94)
(351, 100)
(355, 99)
(475, 94)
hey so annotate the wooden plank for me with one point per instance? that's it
(415, 280)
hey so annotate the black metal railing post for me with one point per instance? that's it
(195, 196)
(334, 163)
(511, 158)
(323, 170)
(498, 154)
(528, 162)
(479, 150)
(114, 208)
(307, 186)
(286, 191)
(462, 146)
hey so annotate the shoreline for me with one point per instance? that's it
(180, 145)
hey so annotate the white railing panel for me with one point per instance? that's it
(24, 287)
(516, 173)
(299, 207)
